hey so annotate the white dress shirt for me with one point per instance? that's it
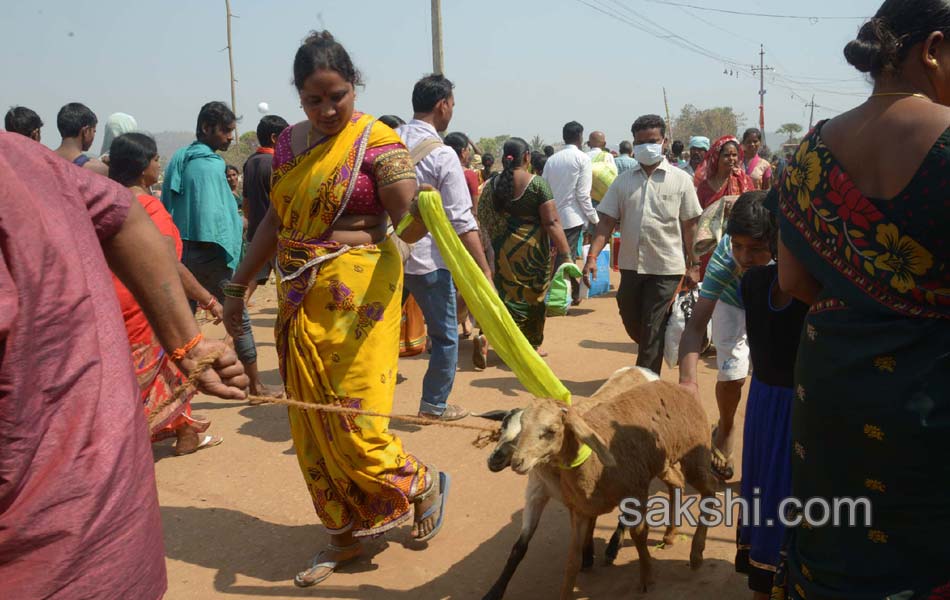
(651, 211)
(442, 170)
(568, 172)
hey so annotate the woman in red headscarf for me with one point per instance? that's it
(721, 172)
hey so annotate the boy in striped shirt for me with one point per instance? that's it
(745, 244)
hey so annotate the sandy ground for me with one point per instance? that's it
(239, 522)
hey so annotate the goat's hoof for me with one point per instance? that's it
(695, 561)
(609, 560)
(587, 561)
(669, 539)
(493, 594)
(646, 585)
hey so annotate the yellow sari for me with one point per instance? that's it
(338, 334)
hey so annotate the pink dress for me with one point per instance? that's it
(79, 512)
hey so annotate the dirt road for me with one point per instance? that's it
(239, 522)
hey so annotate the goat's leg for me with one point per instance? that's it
(536, 498)
(640, 534)
(613, 547)
(581, 525)
(698, 475)
(673, 478)
(587, 558)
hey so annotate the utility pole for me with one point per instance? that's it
(811, 118)
(762, 69)
(438, 64)
(669, 122)
(227, 5)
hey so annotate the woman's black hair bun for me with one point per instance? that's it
(875, 49)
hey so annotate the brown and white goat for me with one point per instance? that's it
(637, 431)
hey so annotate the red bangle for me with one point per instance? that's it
(181, 352)
(210, 304)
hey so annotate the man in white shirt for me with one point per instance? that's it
(426, 276)
(568, 172)
(597, 142)
(657, 209)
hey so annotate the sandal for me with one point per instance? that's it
(452, 412)
(443, 492)
(206, 441)
(721, 462)
(307, 578)
(722, 465)
(480, 352)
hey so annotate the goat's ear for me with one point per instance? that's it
(494, 415)
(590, 437)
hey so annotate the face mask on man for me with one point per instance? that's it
(648, 154)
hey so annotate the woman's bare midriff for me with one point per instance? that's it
(356, 230)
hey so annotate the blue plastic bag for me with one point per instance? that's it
(600, 285)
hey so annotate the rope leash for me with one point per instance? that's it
(487, 435)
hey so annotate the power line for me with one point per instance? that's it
(742, 69)
(695, 48)
(670, 34)
(714, 26)
(813, 18)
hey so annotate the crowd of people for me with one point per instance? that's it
(824, 278)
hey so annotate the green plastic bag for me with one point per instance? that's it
(603, 174)
(507, 340)
(559, 294)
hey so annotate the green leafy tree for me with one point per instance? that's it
(537, 143)
(241, 149)
(791, 130)
(492, 145)
(710, 122)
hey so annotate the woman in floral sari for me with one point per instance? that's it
(134, 163)
(863, 241)
(337, 176)
(522, 238)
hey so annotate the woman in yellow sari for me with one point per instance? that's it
(339, 177)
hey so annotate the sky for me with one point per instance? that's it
(520, 67)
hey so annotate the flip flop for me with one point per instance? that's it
(444, 480)
(300, 579)
(207, 441)
(721, 463)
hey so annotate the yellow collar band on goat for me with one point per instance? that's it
(583, 453)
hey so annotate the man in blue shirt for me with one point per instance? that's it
(625, 161)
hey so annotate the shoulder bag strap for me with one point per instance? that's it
(423, 149)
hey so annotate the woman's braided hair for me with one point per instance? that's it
(503, 187)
